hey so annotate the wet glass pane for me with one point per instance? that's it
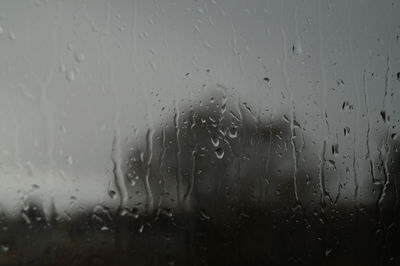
(205, 132)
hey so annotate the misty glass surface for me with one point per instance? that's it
(202, 132)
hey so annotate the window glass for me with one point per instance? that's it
(206, 132)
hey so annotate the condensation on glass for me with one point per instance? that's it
(211, 132)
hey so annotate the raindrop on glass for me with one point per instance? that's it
(215, 141)
(219, 152)
(70, 75)
(79, 57)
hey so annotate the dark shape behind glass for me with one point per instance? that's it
(217, 184)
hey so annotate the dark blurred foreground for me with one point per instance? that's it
(252, 237)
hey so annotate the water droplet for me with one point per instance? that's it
(135, 213)
(132, 182)
(79, 57)
(233, 133)
(385, 116)
(203, 214)
(328, 251)
(215, 141)
(340, 82)
(70, 160)
(200, 10)
(331, 164)
(26, 218)
(141, 228)
(73, 200)
(398, 76)
(346, 131)
(1, 30)
(346, 106)
(5, 248)
(220, 153)
(297, 49)
(70, 75)
(285, 118)
(335, 149)
(112, 193)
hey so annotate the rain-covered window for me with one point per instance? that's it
(199, 132)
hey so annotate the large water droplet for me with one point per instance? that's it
(335, 149)
(220, 153)
(215, 141)
(233, 133)
(385, 116)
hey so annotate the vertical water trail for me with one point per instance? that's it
(149, 148)
(325, 132)
(270, 132)
(178, 151)
(355, 86)
(160, 166)
(116, 145)
(117, 170)
(299, 50)
(384, 151)
(259, 173)
(149, 157)
(235, 47)
(176, 118)
(368, 136)
(292, 105)
(298, 45)
(241, 138)
(193, 169)
(48, 133)
(46, 110)
(177, 124)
